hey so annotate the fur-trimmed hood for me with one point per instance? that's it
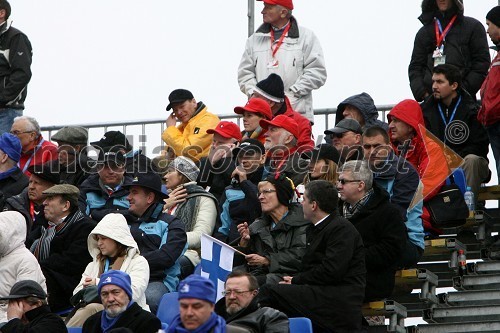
(430, 10)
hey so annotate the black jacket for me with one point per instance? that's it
(466, 47)
(134, 318)
(68, 257)
(255, 318)
(217, 176)
(472, 140)
(77, 172)
(14, 184)
(384, 236)
(330, 286)
(15, 72)
(41, 320)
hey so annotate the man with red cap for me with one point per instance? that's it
(280, 46)
(283, 154)
(216, 168)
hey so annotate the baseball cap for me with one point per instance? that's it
(149, 180)
(226, 129)
(178, 96)
(113, 154)
(256, 105)
(249, 145)
(285, 3)
(345, 125)
(112, 139)
(25, 288)
(284, 122)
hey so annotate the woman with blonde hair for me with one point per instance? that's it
(112, 247)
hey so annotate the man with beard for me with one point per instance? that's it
(120, 311)
(242, 309)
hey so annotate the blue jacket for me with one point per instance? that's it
(162, 240)
(95, 202)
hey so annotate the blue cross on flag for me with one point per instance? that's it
(216, 261)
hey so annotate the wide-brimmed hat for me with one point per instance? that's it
(149, 180)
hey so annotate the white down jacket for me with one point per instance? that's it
(115, 226)
(16, 261)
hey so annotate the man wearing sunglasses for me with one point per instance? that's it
(346, 138)
(103, 193)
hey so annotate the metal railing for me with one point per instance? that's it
(321, 117)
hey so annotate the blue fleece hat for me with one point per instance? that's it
(117, 278)
(199, 287)
(11, 145)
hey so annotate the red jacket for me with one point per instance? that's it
(43, 152)
(304, 141)
(489, 113)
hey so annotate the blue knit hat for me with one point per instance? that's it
(199, 287)
(11, 146)
(117, 278)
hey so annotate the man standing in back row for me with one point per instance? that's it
(280, 46)
(15, 71)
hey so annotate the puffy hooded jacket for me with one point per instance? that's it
(465, 46)
(365, 104)
(16, 261)
(490, 98)
(423, 153)
(115, 226)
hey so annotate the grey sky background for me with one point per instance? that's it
(111, 60)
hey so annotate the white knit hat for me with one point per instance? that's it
(185, 166)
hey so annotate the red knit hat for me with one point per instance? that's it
(284, 122)
(285, 3)
(256, 105)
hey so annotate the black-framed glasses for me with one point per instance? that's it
(236, 292)
(265, 192)
(345, 181)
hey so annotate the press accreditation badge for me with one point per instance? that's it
(440, 60)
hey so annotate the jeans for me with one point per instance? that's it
(154, 293)
(7, 118)
(494, 135)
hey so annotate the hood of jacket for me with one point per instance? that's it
(364, 103)
(113, 226)
(12, 232)
(410, 112)
(430, 10)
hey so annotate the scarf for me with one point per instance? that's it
(255, 134)
(188, 210)
(41, 247)
(214, 324)
(351, 210)
(108, 322)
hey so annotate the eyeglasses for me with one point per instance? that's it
(236, 292)
(345, 181)
(265, 192)
(16, 132)
(337, 135)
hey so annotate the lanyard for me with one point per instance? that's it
(27, 164)
(440, 34)
(452, 114)
(280, 41)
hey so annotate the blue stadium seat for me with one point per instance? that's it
(74, 330)
(168, 308)
(300, 325)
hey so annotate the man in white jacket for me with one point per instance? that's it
(16, 261)
(294, 53)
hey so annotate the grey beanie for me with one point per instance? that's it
(185, 166)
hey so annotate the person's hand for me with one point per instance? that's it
(244, 233)
(220, 152)
(256, 260)
(171, 120)
(175, 197)
(286, 280)
(240, 172)
(15, 309)
(88, 282)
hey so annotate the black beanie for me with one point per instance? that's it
(272, 88)
(494, 16)
(284, 187)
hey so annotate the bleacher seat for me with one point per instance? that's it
(74, 330)
(300, 325)
(168, 307)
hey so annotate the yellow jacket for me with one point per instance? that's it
(191, 139)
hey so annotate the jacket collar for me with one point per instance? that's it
(265, 28)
